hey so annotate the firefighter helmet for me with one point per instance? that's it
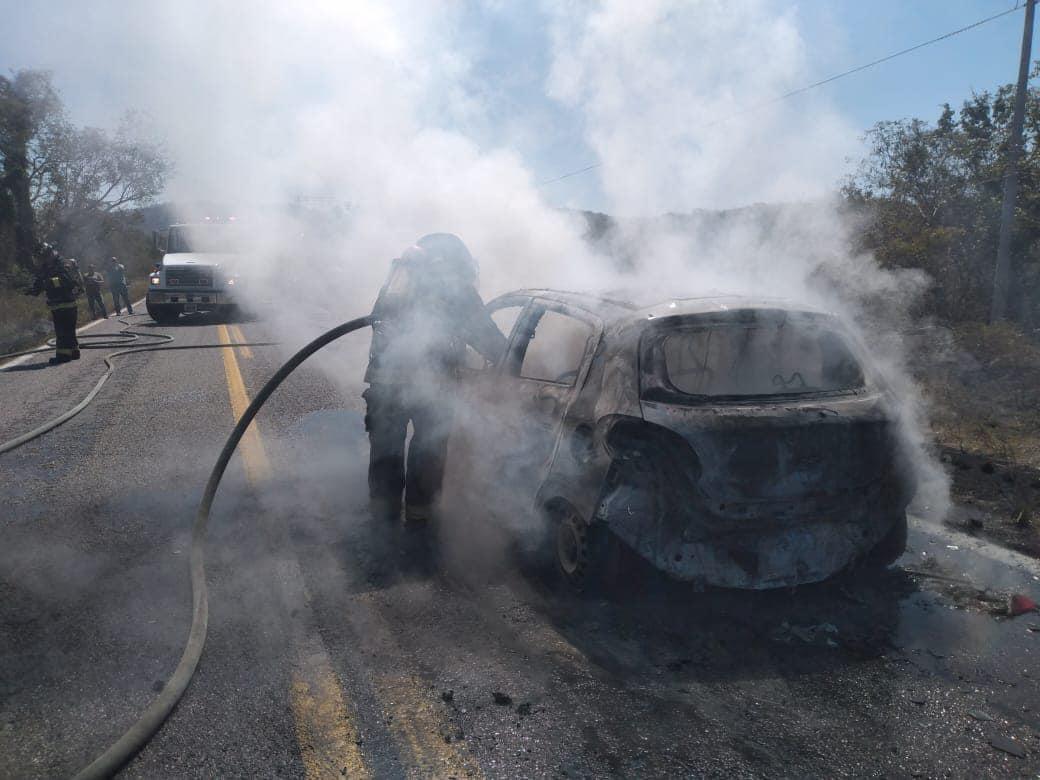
(445, 255)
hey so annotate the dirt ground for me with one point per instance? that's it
(982, 383)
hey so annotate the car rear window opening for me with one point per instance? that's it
(759, 354)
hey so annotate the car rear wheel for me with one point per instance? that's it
(585, 552)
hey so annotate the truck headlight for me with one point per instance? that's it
(154, 280)
(230, 282)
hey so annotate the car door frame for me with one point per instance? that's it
(565, 394)
(523, 300)
(468, 476)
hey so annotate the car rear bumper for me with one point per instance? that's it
(796, 555)
(775, 545)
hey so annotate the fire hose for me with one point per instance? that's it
(105, 340)
(123, 749)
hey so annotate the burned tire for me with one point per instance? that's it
(585, 553)
(891, 546)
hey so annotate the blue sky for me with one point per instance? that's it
(101, 62)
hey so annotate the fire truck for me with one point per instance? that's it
(198, 271)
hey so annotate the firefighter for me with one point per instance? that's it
(59, 281)
(426, 313)
(92, 281)
(116, 275)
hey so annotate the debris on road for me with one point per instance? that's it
(819, 634)
(980, 715)
(1019, 604)
(964, 594)
(934, 575)
(1007, 745)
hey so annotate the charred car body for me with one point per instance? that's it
(729, 442)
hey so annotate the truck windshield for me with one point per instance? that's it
(203, 238)
(757, 353)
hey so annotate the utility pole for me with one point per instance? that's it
(1002, 275)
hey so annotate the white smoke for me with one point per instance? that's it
(679, 101)
(681, 107)
(383, 108)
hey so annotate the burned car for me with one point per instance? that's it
(727, 441)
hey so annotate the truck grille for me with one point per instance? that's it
(189, 277)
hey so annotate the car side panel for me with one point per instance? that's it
(610, 388)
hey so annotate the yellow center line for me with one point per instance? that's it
(420, 726)
(429, 741)
(258, 468)
(325, 728)
(325, 724)
(239, 337)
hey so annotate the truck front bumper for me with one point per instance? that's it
(202, 298)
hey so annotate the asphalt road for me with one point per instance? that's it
(337, 649)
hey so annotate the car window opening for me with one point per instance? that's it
(556, 347)
(764, 357)
(505, 318)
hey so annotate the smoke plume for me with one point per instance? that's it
(389, 112)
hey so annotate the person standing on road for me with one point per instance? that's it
(92, 282)
(62, 287)
(116, 274)
(426, 313)
(73, 265)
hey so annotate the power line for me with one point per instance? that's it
(897, 54)
(816, 84)
(568, 175)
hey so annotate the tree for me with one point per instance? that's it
(87, 174)
(29, 108)
(73, 186)
(932, 194)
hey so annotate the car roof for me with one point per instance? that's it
(629, 305)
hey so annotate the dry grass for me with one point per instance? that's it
(25, 321)
(986, 397)
(984, 389)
